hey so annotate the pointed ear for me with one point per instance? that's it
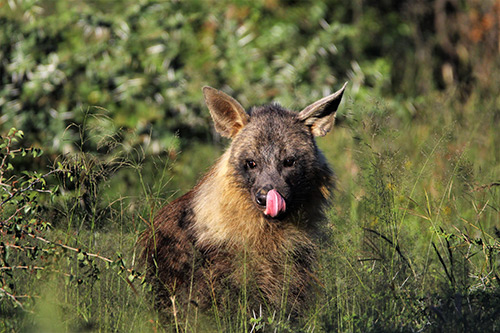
(320, 115)
(228, 115)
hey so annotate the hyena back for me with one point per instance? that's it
(253, 219)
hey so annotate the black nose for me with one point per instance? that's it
(261, 195)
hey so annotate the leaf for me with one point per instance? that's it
(6, 252)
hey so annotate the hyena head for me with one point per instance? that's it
(273, 155)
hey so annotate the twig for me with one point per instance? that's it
(2, 223)
(13, 298)
(20, 267)
(30, 187)
(448, 275)
(67, 247)
(74, 249)
(396, 246)
(486, 186)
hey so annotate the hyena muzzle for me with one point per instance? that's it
(252, 221)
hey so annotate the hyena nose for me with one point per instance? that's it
(261, 195)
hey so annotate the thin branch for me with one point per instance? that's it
(13, 298)
(486, 186)
(441, 260)
(30, 187)
(20, 267)
(67, 247)
(396, 246)
(2, 223)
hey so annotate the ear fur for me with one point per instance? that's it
(228, 114)
(320, 115)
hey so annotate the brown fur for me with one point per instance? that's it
(209, 244)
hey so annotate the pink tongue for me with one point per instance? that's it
(274, 203)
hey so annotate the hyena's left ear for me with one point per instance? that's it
(320, 115)
(228, 115)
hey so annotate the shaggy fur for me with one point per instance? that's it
(211, 243)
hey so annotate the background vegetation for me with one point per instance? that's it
(102, 121)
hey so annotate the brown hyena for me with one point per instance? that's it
(247, 230)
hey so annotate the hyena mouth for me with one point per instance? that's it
(272, 203)
(275, 204)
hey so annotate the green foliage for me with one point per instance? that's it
(35, 256)
(146, 62)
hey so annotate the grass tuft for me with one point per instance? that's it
(413, 242)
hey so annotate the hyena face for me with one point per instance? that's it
(272, 158)
(273, 154)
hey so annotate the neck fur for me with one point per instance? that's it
(225, 215)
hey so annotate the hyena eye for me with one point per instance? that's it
(289, 162)
(251, 164)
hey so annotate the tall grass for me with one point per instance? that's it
(415, 237)
(413, 241)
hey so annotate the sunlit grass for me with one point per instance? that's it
(413, 238)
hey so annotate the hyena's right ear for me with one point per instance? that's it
(228, 115)
(320, 115)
